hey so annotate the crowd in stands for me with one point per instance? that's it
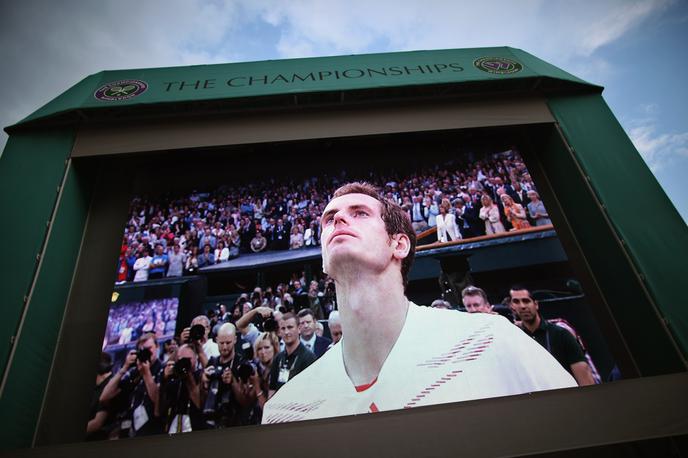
(175, 236)
(127, 322)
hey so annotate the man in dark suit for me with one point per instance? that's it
(519, 194)
(281, 236)
(471, 211)
(309, 338)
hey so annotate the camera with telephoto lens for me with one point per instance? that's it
(196, 333)
(182, 367)
(143, 355)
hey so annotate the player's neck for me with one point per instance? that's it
(373, 312)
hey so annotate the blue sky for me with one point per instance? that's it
(634, 48)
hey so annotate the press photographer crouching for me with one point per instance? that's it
(229, 399)
(180, 388)
(138, 380)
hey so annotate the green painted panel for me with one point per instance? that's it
(655, 236)
(293, 76)
(31, 168)
(28, 375)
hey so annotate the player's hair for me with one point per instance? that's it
(395, 218)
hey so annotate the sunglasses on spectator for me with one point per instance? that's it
(525, 300)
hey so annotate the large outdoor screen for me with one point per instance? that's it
(312, 308)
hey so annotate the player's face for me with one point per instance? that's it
(336, 332)
(353, 230)
(226, 344)
(306, 326)
(475, 304)
(523, 305)
(289, 330)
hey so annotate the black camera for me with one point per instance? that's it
(268, 324)
(216, 373)
(143, 355)
(243, 372)
(182, 367)
(197, 332)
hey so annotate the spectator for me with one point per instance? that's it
(265, 348)
(556, 340)
(221, 253)
(192, 262)
(475, 300)
(293, 359)
(490, 214)
(431, 211)
(537, 210)
(310, 236)
(207, 258)
(176, 262)
(335, 325)
(259, 242)
(158, 264)
(441, 304)
(418, 211)
(296, 238)
(515, 213)
(446, 224)
(313, 342)
(142, 265)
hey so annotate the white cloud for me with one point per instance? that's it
(46, 47)
(45, 52)
(556, 31)
(659, 150)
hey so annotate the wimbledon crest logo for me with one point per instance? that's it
(121, 90)
(498, 65)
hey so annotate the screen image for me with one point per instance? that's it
(440, 279)
(127, 322)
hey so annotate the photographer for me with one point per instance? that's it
(257, 316)
(225, 380)
(197, 337)
(138, 380)
(180, 393)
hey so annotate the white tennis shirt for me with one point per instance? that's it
(440, 356)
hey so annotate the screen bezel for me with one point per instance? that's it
(103, 233)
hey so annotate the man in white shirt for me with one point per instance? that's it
(381, 363)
